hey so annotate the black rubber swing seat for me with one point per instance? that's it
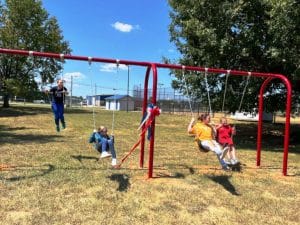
(235, 167)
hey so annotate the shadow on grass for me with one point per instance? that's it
(7, 135)
(189, 168)
(169, 175)
(177, 175)
(223, 180)
(122, 179)
(15, 111)
(293, 175)
(272, 137)
(38, 170)
(11, 129)
(80, 158)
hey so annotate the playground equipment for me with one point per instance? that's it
(154, 66)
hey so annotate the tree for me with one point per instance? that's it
(26, 25)
(257, 35)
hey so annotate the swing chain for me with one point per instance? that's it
(244, 91)
(93, 105)
(207, 90)
(62, 59)
(115, 99)
(187, 90)
(225, 90)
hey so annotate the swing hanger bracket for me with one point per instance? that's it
(90, 60)
(62, 57)
(118, 62)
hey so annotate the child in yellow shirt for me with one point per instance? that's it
(204, 136)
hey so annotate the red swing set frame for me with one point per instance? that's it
(154, 66)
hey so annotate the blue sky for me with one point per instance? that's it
(132, 30)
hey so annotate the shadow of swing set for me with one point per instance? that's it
(153, 67)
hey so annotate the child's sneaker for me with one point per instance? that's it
(57, 128)
(225, 168)
(105, 155)
(114, 162)
(224, 152)
(63, 125)
(228, 162)
(234, 161)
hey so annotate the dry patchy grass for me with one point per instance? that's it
(55, 178)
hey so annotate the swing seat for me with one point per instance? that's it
(236, 167)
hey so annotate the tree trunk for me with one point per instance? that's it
(6, 101)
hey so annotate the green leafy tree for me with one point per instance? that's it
(27, 25)
(256, 35)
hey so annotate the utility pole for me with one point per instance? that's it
(160, 90)
(127, 87)
(71, 92)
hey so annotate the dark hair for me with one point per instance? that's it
(202, 117)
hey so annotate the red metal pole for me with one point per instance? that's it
(151, 150)
(287, 124)
(287, 121)
(129, 62)
(144, 109)
(71, 57)
(213, 70)
(260, 119)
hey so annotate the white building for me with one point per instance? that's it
(119, 102)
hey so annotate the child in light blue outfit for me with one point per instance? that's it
(104, 142)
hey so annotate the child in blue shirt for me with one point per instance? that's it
(58, 94)
(104, 142)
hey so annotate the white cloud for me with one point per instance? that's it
(124, 27)
(109, 67)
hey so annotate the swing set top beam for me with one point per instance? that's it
(62, 57)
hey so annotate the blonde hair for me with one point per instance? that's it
(223, 118)
(102, 128)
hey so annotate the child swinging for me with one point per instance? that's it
(103, 142)
(204, 137)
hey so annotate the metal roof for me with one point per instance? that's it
(117, 97)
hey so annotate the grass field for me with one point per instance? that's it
(55, 178)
